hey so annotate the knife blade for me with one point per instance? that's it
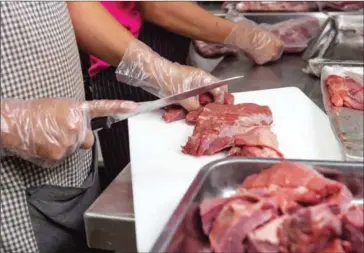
(106, 122)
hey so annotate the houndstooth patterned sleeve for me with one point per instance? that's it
(39, 58)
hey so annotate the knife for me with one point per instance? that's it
(106, 122)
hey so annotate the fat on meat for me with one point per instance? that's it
(344, 91)
(219, 126)
(265, 239)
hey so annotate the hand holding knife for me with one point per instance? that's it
(106, 122)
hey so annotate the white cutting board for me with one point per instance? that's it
(161, 173)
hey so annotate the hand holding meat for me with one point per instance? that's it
(142, 67)
(46, 131)
(260, 44)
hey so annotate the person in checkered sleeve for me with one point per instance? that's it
(48, 172)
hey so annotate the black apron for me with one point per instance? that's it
(57, 213)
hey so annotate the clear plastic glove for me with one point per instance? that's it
(142, 67)
(260, 44)
(46, 131)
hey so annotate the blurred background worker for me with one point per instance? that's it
(166, 27)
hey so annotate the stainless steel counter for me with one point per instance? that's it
(110, 220)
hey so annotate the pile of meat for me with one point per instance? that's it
(244, 128)
(288, 208)
(295, 33)
(342, 5)
(271, 6)
(297, 6)
(344, 91)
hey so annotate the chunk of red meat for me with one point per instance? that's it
(176, 112)
(258, 142)
(265, 239)
(302, 184)
(343, 5)
(309, 230)
(270, 6)
(217, 127)
(213, 50)
(236, 220)
(209, 209)
(285, 197)
(344, 91)
(296, 33)
(337, 246)
(353, 226)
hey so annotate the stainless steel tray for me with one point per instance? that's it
(275, 17)
(183, 231)
(338, 39)
(347, 124)
(316, 65)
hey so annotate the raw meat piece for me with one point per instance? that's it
(337, 246)
(176, 112)
(209, 209)
(303, 184)
(285, 197)
(317, 214)
(271, 6)
(236, 220)
(258, 142)
(340, 202)
(309, 230)
(213, 50)
(353, 225)
(344, 91)
(343, 5)
(265, 239)
(219, 126)
(295, 33)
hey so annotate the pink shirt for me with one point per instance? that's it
(128, 14)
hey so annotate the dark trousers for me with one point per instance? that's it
(114, 142)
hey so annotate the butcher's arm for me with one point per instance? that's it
(98, 33)
(187, 19)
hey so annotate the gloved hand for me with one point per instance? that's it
(46, 131)
(260, 44)
(142, 67)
